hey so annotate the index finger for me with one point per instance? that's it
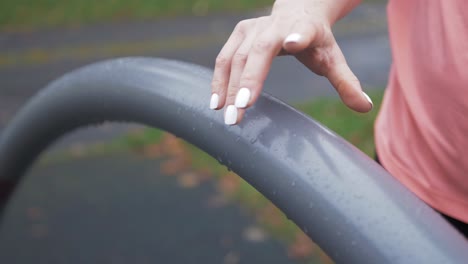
(264, 49)
(219, 83)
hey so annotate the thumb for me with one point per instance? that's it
(335, 68)
(349, 88)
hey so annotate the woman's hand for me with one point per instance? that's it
(297, 27)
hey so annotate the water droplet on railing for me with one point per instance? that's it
(358, 195)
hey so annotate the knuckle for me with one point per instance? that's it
(323, 34)
(282, 18)
(250, 80)
(263, 19)
(243, 24)
(343, 82)
(321, 61)
(262, 45)
(231, 94)
(278, 5)
(217, 84)
(340, 87)
(327, 61)
(239, 58)
(221, 61)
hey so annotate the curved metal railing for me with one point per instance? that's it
(342, 199)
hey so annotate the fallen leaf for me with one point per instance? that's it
(172, 146)
(152, 151)
(229, 183)
(174, 165)
(188, 180)
(271, 215)
(302, 247)
(204, 174)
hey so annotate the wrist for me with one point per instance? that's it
(329, 11)
(339, 8)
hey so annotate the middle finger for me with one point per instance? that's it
(239, 59)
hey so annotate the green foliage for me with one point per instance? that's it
(141, 138)
(29, 14)
(357, 128)
(33, 14)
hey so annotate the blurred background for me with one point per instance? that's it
(123, 193)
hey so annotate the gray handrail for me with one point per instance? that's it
(343, 200)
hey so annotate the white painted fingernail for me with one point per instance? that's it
(294, 37)
(368, 99)
(214, 101)
(230, 117)
(242, 98)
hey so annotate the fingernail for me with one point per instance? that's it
(230, 117)
(368, 99)
(242, 98)
(214, 101)
(294, 37)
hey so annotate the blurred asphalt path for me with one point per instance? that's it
(118, 209)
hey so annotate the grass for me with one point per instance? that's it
(34, 14)
(355, 127)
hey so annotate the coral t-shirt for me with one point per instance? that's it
(422, 128)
